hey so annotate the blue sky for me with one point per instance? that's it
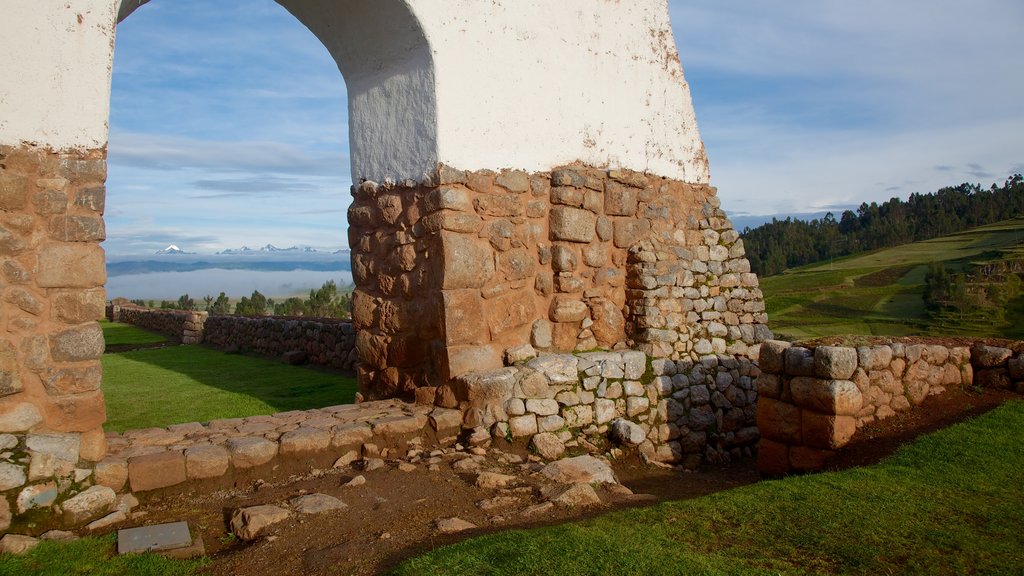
(229, 119)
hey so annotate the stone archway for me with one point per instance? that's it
(528, 173)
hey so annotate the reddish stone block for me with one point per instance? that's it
(779, 421)
(72, 265)
(804, 459)
(772, 458)
(154, 471)
(827, 432)
(464, 317)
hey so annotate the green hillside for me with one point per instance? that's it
(880, 293)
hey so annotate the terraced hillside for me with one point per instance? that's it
(881, 293)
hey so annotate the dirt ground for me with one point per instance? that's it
(393, 515)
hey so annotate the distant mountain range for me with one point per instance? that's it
(266, 259)
(268, 249)
(174, 250)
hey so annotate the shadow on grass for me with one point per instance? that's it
(196, 384)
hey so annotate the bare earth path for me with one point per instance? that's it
(393, 515)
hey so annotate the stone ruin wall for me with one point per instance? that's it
(813, 401)
(453, 274)
(182, 326)
(52, 273)
(319, 341)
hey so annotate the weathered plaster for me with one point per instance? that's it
(524, 84)
(389, 71)
(55, 80)
(532, 84)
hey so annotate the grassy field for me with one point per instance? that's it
(116, 334)
(950, 503)
(879, 293)
(180, 384)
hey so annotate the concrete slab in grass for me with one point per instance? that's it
(173, 539)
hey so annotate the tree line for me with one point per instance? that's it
(781, 244)
(328, 301)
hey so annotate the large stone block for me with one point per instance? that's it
(772, 358)
(510, 311)
(19, 417)
(517, 264)
(835, 363)
(10, 379)
(806, 459)
(76, 307)
(72, 265)
(572, 224)
(251, 452)
(467, 262)
(73, 379)
(779, 421)
(76, 412)
(568, 309)
(798, 361)
(620, 200)
(827, 432)
(629, 232)
(154, 471)
(772, 458)
(78, 344)
(609, 325)
(465, 359)
(448, 198)
(464, 317)
(77, 228)
(13, 192)
(839, 397)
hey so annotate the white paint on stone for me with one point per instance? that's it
(55, 80)
(527, 84)
(533, 84)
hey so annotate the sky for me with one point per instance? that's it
(229, 125)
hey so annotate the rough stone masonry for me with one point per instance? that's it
(453, 275)
(519, 181)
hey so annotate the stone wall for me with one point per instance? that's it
(671, 411)
(813, 401)
(51, 280)
(183, 326)
(320, 341)
(453, 273)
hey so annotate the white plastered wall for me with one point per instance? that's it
(533, 84)
(55, 76)
(526, 84)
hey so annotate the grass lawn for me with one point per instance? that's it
(116, 334)
(951, 503)
(92, 557)
(180, 384)
(880, 293)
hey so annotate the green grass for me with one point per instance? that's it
(93, 557)
(180, 384)
(117, 334)
(880, 293)
(950, 503)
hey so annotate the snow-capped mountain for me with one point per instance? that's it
(269, 248)
(172, 249)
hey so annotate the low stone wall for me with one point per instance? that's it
(323, 342)
(183, 326)
(319, 341)
(672, 411)
(812, 401)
